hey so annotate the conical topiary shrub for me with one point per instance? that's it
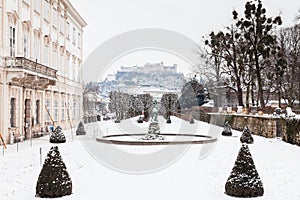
(169, 120)
(57, 136)
(80, 129)
(244, 180)
(227, 130)
(192, 121)
(54, 180)
(140, 120)
(246, 136)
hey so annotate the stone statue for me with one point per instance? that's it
(154, 112)
(154, 131)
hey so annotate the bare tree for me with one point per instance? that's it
(229, 47)
(290, 46)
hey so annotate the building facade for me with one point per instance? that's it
(40, 60)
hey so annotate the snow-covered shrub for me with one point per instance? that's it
(80, 129)
(54, 180)
(244, 180)
(140, 120)
(227, 130)
(57, 136)
(192, 121)
(246, 136)
(169, 120)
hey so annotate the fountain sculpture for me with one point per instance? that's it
(154, 135)
(154, 131)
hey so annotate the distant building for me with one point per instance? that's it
(151, 74)
(111, 77)
(40, 60)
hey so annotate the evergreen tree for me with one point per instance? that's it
(192, 94)
(244, 180)
(54, 180)
(80, 129)
(246, 136)
(227, 130)
(57, 136)
(168, 104)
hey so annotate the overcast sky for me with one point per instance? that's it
(193, 18)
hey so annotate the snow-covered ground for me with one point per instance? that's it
(188, 178)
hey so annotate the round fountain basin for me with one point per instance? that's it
(170, 139)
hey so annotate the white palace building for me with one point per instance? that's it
(40, 61)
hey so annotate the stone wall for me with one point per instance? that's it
(259, 125)
(262, 125)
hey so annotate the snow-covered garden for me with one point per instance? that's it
(190, 177)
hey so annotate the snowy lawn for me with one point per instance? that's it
(189, 178)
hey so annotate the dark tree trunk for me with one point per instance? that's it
(240, 93)
(247, 95)
(259, 83)
(279, 93)
(252, 93)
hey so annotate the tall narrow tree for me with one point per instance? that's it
(257, 29)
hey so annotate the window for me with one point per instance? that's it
(12, 40)
(55, 110)
(54, 60)
(62, 24)
(79, 112)
(12, 112)
(74, 36)
(37, 111)
(78, 74)
(46, 54)
(26, 44)
(37, 5)
(73, 70)
(68, 31)
(48, 105)
(54, 17)
(36, 21)
(37, 48)
(62, 64)
(79, 40)
(74, 110)
(63, 110)
(70, 71)
(54, 33)
(47, 10)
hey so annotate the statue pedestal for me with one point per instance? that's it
(154, 128)
(153, 132)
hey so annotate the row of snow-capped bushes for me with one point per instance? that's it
(288, 129)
